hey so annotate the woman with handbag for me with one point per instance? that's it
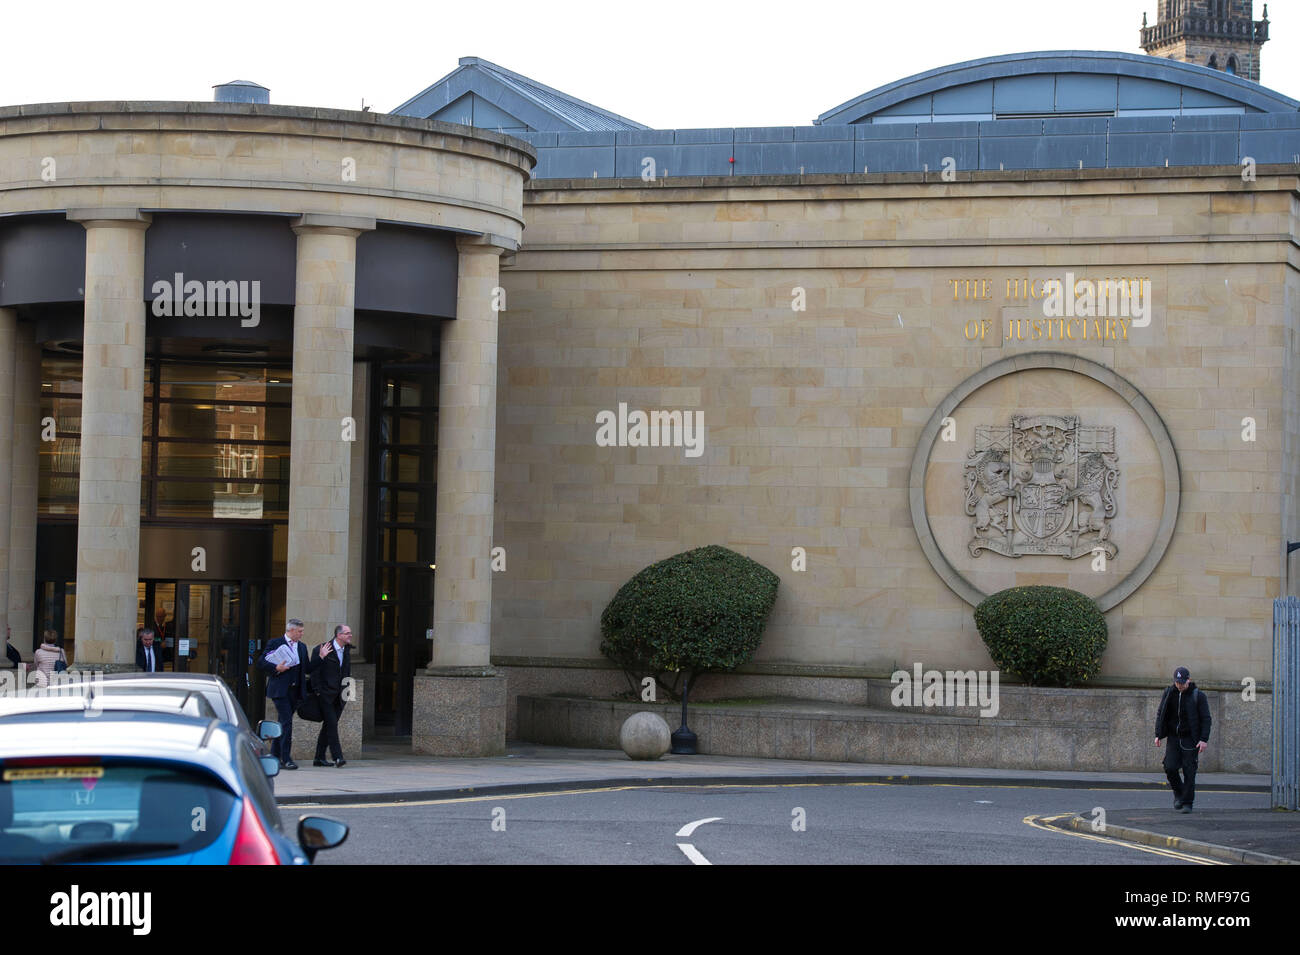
(49, 658)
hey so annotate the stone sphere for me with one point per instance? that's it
(644, 735)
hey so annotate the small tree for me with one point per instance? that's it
(1049, 636)
(700, 610)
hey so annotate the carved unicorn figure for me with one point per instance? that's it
(1098, 475)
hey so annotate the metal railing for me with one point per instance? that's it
(1286, 702)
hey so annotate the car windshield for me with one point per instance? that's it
(82, 810)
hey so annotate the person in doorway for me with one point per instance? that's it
(330, 666)
(1184, 718)
(148, 655)
(162, 635)
(47, 655)
(12, 656)
(286, 685)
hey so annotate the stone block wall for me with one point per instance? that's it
(680, 297)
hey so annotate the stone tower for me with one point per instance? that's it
(1220, 34)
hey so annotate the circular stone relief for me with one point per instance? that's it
(1095, 473)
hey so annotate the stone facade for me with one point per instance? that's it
(679, 296)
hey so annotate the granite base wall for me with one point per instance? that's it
(1240, 742)
(1036, 728)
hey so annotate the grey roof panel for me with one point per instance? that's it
(886, 155)
(807, 134)
(644, 137)
(946, 130)
(887, 131)
(964, 152)
(764, 134)
(814, 158)
(514, 93)
(765, 159)
(704, 136)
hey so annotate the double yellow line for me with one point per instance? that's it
(1045, 823)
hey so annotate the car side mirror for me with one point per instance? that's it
(320, 832)
(268, 729)
(270, 765)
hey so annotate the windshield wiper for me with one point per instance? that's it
(106, 850)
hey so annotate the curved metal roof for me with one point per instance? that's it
(1213, 88)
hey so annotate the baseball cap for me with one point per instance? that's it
(1181, 675)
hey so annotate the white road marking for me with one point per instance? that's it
(685, 831)
(693, 853)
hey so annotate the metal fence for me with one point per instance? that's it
(1286, 702)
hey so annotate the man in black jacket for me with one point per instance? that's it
(1184, 717)
(330, 666)
(286, 686)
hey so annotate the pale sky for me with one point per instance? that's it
(667, 65)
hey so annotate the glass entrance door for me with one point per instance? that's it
(215, 628)
(162, 608)
(415, 619)
(227, 656)
(56, 609)
(241, 618)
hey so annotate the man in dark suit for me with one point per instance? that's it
(286, 686)
(12, 655)
(148, 655)
(330, 666)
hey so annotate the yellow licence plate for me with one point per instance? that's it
(53, 772)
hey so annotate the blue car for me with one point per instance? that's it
(142, 787)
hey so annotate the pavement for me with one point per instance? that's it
(387, 772)
(1248, 836)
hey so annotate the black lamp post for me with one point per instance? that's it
(684, 740)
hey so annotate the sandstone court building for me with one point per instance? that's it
(1067, 275)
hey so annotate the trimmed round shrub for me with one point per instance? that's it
(1048, 636)
(703, 609)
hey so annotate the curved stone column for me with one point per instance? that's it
(320, 451)
(460, 701)
(112, 421)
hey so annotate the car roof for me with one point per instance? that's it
(162, 676)
(140, 734)
(205, 681)
(51, 701)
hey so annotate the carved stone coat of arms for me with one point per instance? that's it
(1045, 484)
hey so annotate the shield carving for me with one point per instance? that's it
(1042, 510)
